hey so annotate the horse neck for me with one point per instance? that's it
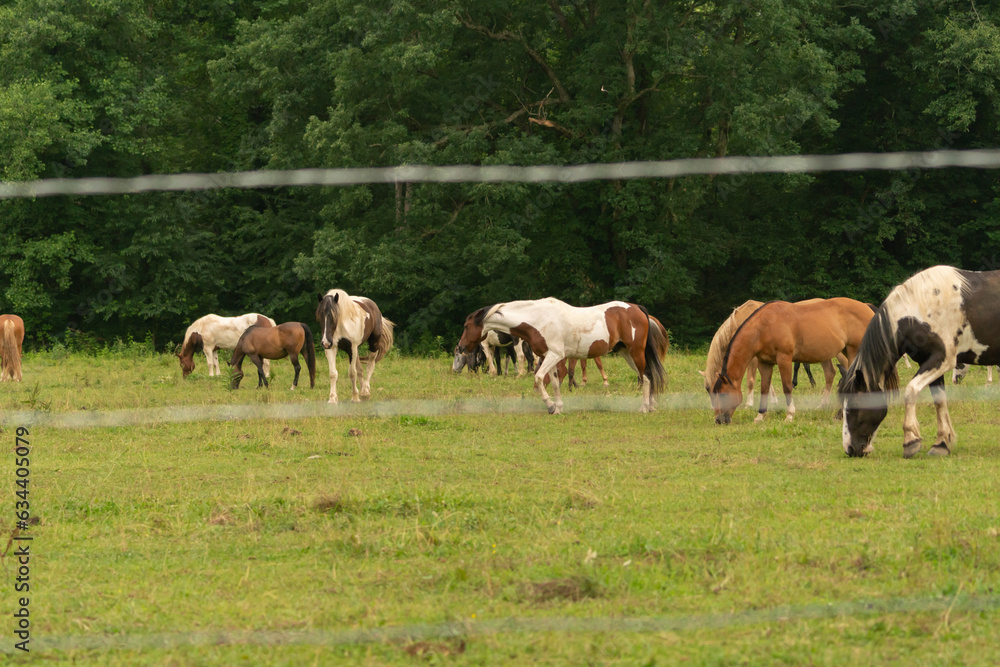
(742, 348)
(723, 337)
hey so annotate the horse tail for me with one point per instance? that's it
(385, 340)
(11, 356)
(309, 351)
(664, 347)
(874, 367)
(656, 340)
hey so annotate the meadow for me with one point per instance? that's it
(470, 527)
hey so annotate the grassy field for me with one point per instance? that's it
(598, 536)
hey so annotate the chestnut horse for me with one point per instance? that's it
(11, 338)
(717, 352)
(265, 342)
(211, 333)
(940, 317)
(347, 322)
(556, 330)
(782, 333)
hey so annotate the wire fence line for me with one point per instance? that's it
(471, 629)
(905, 160)
(86, 419)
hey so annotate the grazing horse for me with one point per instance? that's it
(781, 333)
(513, 347)
(556, 330)
(213, 333)
(11, 339)
(961, 370)
(266, 342)
(347, 322)
(471, 360)
(940, 317)
(720, 344)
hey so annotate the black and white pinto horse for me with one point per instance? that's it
(940, 317)
(496, 347)
(556, 330)
(961, 370)
(347, 322)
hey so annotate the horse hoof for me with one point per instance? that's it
(911, 448)
(356, 399)
(332, 401)
(939, 449)
(790, 418)
(758, 419)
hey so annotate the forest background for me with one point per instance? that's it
(123, 88)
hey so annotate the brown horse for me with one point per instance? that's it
(11, 338)
(782, 333)
(285, 340)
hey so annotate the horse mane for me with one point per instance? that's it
(480, 315)
(729, 346)
(193, 342)
(343, 305)
(720, 341)
(874, 367)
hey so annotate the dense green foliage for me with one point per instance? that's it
(120, 88)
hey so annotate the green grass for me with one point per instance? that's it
(747, 544)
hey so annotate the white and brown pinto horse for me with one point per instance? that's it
(940, 317)
(212, 333)
(11, 339)
(348, 322)
(556, 331)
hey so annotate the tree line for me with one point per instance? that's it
(123, 88)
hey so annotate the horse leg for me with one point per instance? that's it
(490, 362)
(829, 374)
(521, 362)
(354, 370)
(936, 365)
(545, 369)
(785, 369)
(267, 365)
(795, 374)
(294, 358)
(646, 387)
(259, 363)
(208, 360)
(215, 361)
(237, 363)
(809, 374)
(751, 381)
(766, 370)
(366, 387)
(331, 360)
(600, 367)
(946, 436)
(583, 371)
(572, 370)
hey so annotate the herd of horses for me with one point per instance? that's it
(943, 318)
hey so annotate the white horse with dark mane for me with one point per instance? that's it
(212, 333)
(941, 317)
(347, 322)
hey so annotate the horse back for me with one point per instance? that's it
(372, 331)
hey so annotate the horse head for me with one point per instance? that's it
(193, 344)
(473, 332)
(328, 314)
(726, 396)
(863, 412)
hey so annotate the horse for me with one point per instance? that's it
(471, 360)
(513, 347)
(556, 330)
(961, 370)
(11, 339)
(782, 333)
(661, 352)
(720, 344)
(940, 317)
(266, 342)
(347, 322)
(212, 333)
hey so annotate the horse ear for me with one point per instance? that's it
(336, 297)
(702, 373)
(321, 297)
